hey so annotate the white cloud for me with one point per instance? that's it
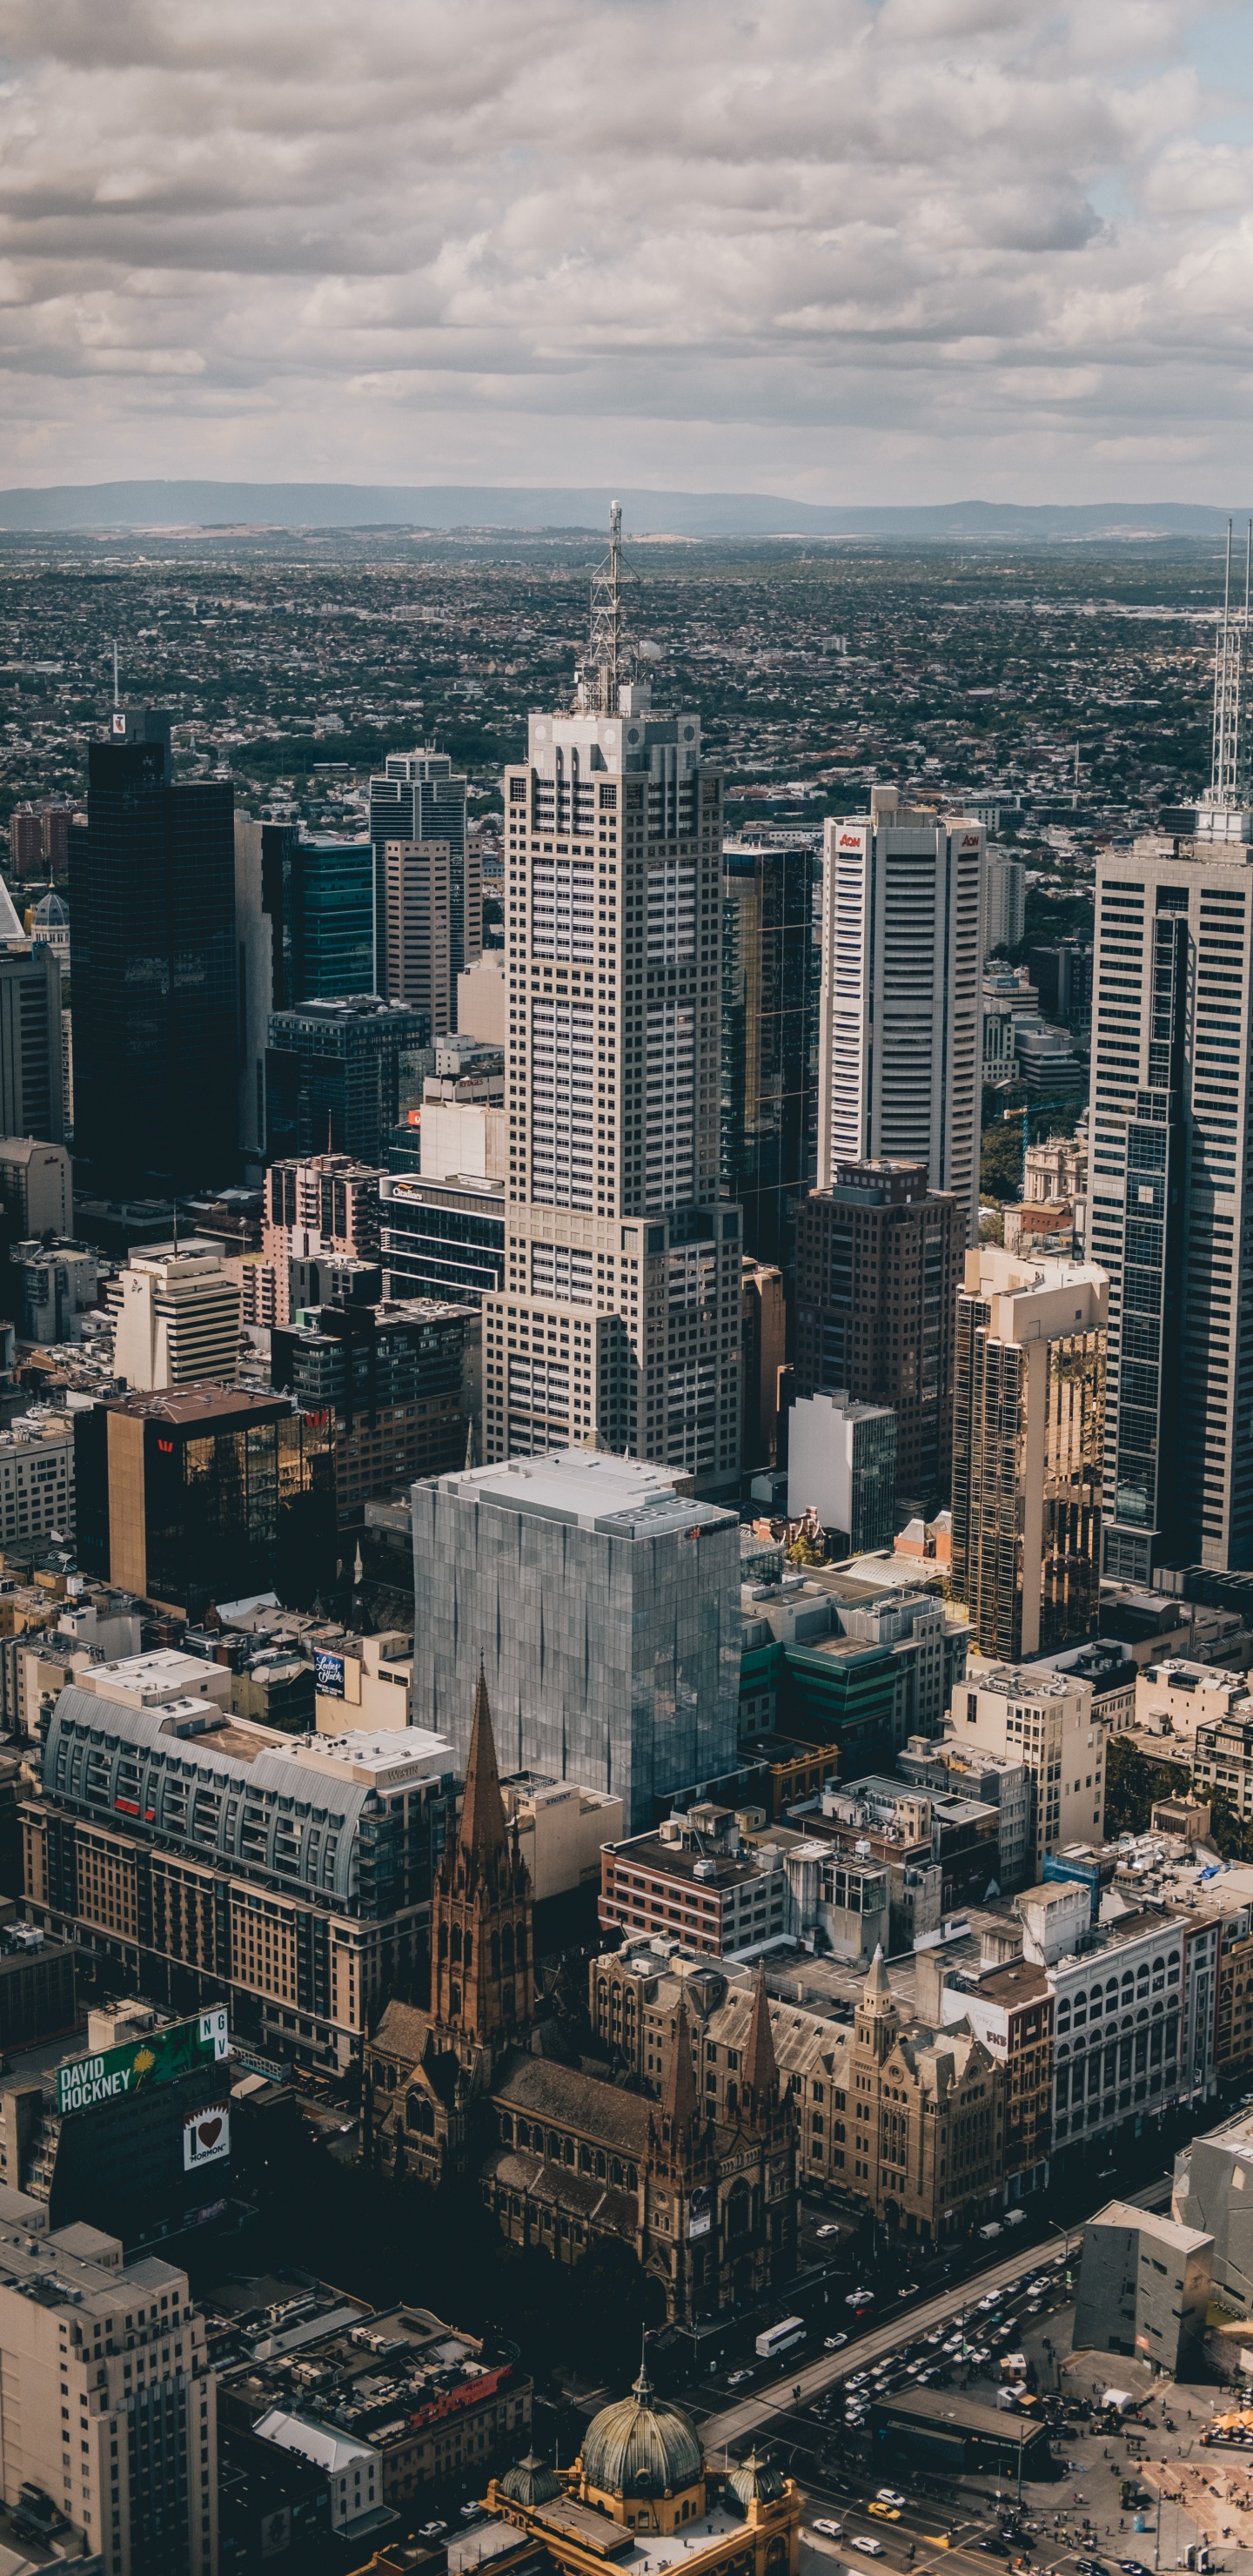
(840, 249)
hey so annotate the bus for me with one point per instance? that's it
(789, 2332)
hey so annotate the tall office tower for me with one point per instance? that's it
(324, 890)
(618, 1325)
(334, 1073)
(771, 985)
(152, 894)
(902, 994)
(258, 950)
(419, 799)
(416, 904)
(763, 1353)
(178, 1317)
(1005, 903)
(1171, 1169)
(401, 1384)
(878, 1267)
(1028, 1441)
(32, 1099)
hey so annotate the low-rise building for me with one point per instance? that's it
(1144, 2287)
(37, 1491)
(561, 1830)
(349, 2466)
(1179, 1697)
(698, 1877)
(1109, 1669)
(999, 1780)
(132, 2133)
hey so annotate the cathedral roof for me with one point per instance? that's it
(642, 2446)
(482, 1827)
(542, 2089)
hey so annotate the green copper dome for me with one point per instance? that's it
(755, 2481)
(531, 2482)
(642, 2448)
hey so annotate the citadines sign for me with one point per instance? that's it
(157, 2058)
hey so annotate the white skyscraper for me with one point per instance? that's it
(902, 994)
(1171, 1171)
(618, 1323)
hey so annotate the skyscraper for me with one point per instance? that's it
(417, 904)
(31, 1089)
(419, 799)
(771, 977)
(334, 1072)
(1171, 1167)
(902, 965)
(618, 1323)
(152, 895)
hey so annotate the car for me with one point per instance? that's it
(470, 2513)
(937, 2337)
(925, 2375)
(889, 2495)
(996, 2547)
(830, 2530)
(739, 2378)
(835, 2343)
(908, 2290)
(432, 2530)
(857, 2379)
(1132, 2567)
(828, 2228)
(889, 2512)
(872, 2548)
(993, 2300)
(1107, 2173)
(859, 2299)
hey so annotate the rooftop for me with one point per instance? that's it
(592, 1490)
(204, 1402)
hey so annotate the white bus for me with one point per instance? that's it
(789, 2332)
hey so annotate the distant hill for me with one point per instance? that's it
(68, 506)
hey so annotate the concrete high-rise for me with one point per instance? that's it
(1005, 903)
(417, 907)
(878, 1267)
(1028, 1438)
(334, 1073)
(902, 964)
(178, 1317)
(618, 1324)
(771, 976)
(418, 798)
(152, 895)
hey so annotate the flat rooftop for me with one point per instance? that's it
(206, 1401)
(589, 1489)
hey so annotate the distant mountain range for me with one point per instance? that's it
(68, 506)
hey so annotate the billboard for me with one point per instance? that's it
(700, 2211)
(159, 2057)
(207, 2137)
(328, 1674)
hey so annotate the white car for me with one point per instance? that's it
(888, 2495)
(835, 2343)
(993, 2300)
(857, 2379)
(830, 2530)
(873, 2548)
(828, 2228)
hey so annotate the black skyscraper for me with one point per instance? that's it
(152, 895)
(771, 984)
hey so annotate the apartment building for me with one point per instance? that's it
(1007, 2002)
(326, 1203)
(1046, 1722)
(193, 1853)
(698, 1878)
(114, 2408)
(37, 1490)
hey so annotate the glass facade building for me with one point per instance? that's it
(442, 1238)
(205, 1493)
(336, 1071)
(606, 1608)
(152, 894)
(319, 894)
(771, 992)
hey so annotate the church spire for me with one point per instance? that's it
(680, 2104)
(761, 2066)
(482, 1833)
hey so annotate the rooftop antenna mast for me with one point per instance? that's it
(1227, 783)
(605, 667)
(116, 699)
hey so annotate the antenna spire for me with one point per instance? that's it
(1228, 786)
(605, 667)
(116, 699)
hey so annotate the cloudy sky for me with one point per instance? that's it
(848, 250)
